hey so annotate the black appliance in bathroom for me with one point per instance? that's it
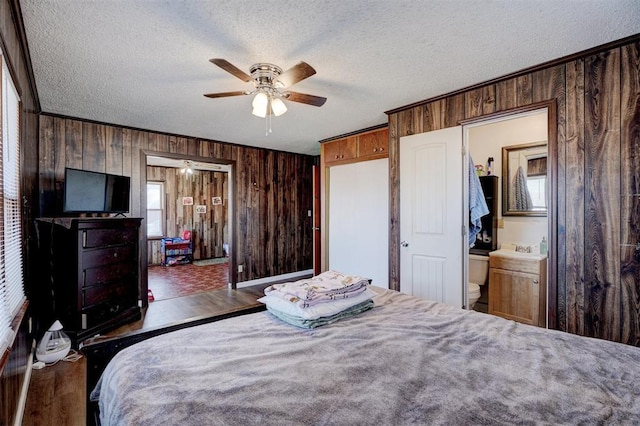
(487, 238)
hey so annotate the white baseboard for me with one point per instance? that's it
(268, 280)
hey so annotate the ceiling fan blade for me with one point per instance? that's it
(225, 94)
(304, 98)
(231, 69)
(295, 74)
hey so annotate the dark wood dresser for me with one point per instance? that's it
(89, 273)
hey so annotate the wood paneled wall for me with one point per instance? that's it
(597, 183)
(14, 52)
(273, 189)
(208, 230)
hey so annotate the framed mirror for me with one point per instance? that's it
(524, 179)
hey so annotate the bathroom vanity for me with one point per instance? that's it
(518, 286)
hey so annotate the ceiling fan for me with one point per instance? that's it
(270, 86)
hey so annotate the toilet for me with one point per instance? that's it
(478, 275)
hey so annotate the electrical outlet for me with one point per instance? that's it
(501, 223)
(240, 268)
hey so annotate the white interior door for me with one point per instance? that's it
(431, 216)
(359, 220)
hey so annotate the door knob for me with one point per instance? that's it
(404, 244)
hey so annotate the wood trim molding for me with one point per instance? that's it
(15, 326)
(356, 132)
(539, 67)
(18, 26)
(158, 132)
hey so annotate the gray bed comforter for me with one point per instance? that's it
(406, 361)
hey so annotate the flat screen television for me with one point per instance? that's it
(95, 192)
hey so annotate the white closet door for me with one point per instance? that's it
(359, 220)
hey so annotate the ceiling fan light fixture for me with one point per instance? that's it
(268, 80)
(260, 101)
(278, 107)
(260, 111)
(260, 104)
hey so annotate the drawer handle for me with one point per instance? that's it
(535, 281)
(115, 254)
(114, 309)
(375, 149)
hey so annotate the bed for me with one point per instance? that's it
(406, 361)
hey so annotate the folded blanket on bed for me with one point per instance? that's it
(313, 323)
(315, 311)
(327, 286)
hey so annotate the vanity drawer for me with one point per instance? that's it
(531, 266)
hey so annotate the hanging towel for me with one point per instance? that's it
(477, 204)
(520, 199)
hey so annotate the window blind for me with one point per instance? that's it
(11, 265)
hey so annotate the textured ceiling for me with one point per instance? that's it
(145, 64)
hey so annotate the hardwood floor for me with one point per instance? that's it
(56, 394)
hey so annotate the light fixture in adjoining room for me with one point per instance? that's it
(188, 168)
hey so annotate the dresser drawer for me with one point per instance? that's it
(107, 256)
(117, 293)
(104, 274)
(99, 314)
(108, 237)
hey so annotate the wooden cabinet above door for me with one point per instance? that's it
(373, 144)
(368, 145)
(340, 150)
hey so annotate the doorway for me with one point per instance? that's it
(198, 208)
(515, 149)
(432, 272)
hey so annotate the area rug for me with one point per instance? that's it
(213, 261)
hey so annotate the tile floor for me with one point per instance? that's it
(167, 282)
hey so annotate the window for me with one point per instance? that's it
(537, 189)
(155, 209)
(11, 270)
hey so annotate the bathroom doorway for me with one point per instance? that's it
(486, 140)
